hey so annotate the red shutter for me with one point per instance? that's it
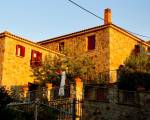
(22, 51)
(91, 42)
(17, 50)
(39, 58)
(36, 61)
(32, 57)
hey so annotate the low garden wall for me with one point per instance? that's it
(96, 110)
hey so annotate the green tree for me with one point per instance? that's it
(49, 71)
(135, 72)
(51, 68)
(5, 99)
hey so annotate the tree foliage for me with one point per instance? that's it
(5, 98)
(51, 69)
(136, 72)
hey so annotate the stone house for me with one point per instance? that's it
(107, 45)
(17, 57)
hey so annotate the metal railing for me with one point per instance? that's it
(70, 109)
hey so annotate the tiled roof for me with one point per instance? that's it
(8, 34)
(91, 30)
(148, 42)
(73, 34)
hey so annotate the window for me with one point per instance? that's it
(36, 58)
(20, 50)
(136, 49)
(91, 42)
(148, 51)
(61, 46)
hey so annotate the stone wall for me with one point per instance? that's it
(113, 46)
(2, 49)
(111, 111)
(16, 69)
(122, 45)
(76, 45)
(119, 105)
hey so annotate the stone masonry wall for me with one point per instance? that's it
(2, 49)
(121, 47)
(77, 46)
(113, 46)
(111, 111)
(17, 70)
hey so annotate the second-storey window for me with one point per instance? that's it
(61, 46)
(36, 58)
(91, 42)
(20, 50)
(136, 50)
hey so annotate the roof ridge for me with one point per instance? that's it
(9, 34)
(87, 29)
(13, 35)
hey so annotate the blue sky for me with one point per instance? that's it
(42, 19)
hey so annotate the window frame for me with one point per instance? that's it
(91, 39)
(61, 46)
(137, 49)
(20, 51)
(36, 58)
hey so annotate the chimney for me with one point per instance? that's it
(107, 16)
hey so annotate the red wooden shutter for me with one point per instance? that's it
(22, 51)
(36, 61)
(32, 57)
(91, 42)
(39, 57)
(17, 50)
